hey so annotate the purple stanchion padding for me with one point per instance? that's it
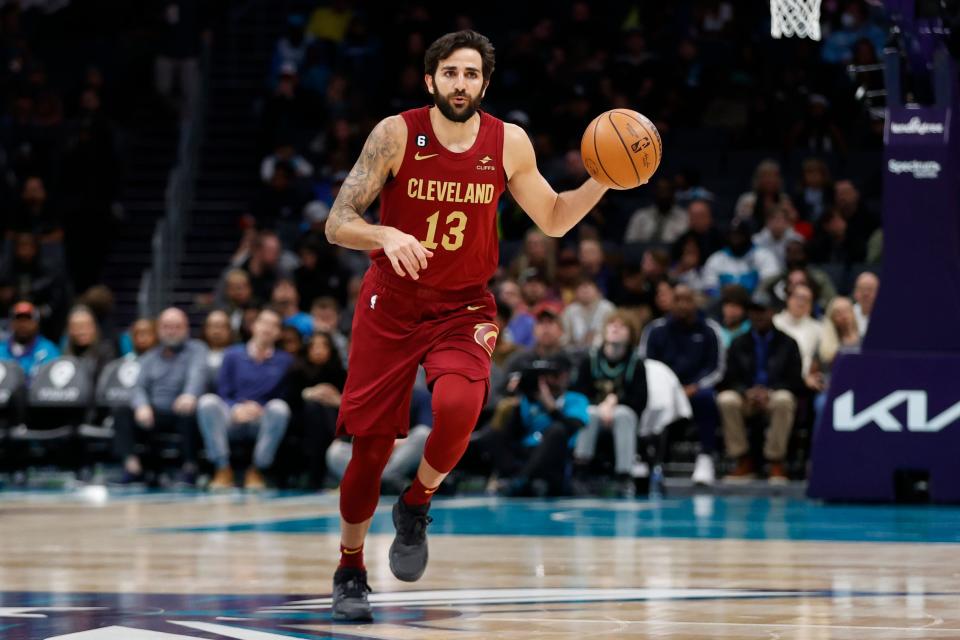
(891, 407)
(887, 412)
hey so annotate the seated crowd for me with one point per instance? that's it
(598, 361)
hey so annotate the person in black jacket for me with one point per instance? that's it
(763, 376)
(613, 378)
(692, 346)
(315, 384)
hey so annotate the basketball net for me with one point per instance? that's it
(799, 18)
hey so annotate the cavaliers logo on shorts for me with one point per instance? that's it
(486, 334)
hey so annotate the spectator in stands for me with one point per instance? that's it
(797, 322)
(593, 264)
(316, 382)
(178, 55)
(865, 294)
(753, 206)
(777, 232)
(818, 130)
(291, 47)
(238, 296)
(861, 221)
(83, 341)
(662, 222)
(548, 337)
(217, 335)
(325, 313)
(839, 335)
(702, 229)
(613, 378)
(814, 194)
(734, 300)
(172, 377)
(143, 337)
(249, 404)
(521, 323)
(291, 340)
(26, 346)
(569, 275)
(584, 318)
(686, 267)
(286, 300)
(285, 154)
(330, 21)
(88, 186)
(740, 263)
(798, 270)
(854, 26)
(99, 299)
(763, 376)
(26, 277)
(532, 447)
(320, 272)
(535, 287)
(285, 113)
(832, 242)
(263, 264)
(538, 253)
(280, 204)
(36, 214)
(692, 346)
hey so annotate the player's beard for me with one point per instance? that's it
(450, 112)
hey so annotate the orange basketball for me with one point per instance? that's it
(621, 149)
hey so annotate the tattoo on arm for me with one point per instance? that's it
(366, 178)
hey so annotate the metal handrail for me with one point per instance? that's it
(169, 235)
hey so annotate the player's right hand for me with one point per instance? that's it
(405, 252)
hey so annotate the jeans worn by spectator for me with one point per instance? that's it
(219, 429)
(624, 426)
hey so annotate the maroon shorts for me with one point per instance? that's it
(399, 324)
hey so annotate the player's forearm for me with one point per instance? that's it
(347, 229)
(571, 206)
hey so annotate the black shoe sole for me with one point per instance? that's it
(343, 617)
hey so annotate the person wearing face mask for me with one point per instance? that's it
(739, 263)
(172, 376)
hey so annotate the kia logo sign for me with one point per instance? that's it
(62, 373)
(878, 413)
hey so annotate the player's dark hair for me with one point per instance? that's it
(444, 46)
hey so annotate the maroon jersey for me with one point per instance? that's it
(448, 201)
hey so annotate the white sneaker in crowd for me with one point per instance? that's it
(703, 472)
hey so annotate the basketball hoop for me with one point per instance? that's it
(799, 18)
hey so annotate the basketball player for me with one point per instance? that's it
(439, 172)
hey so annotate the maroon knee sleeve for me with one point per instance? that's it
(360, 488)
(456, 406)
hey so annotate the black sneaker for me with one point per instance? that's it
(350, 591)
(408, 553)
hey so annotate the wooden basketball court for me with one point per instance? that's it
(89, 565)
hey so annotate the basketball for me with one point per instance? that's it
(621, 149)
